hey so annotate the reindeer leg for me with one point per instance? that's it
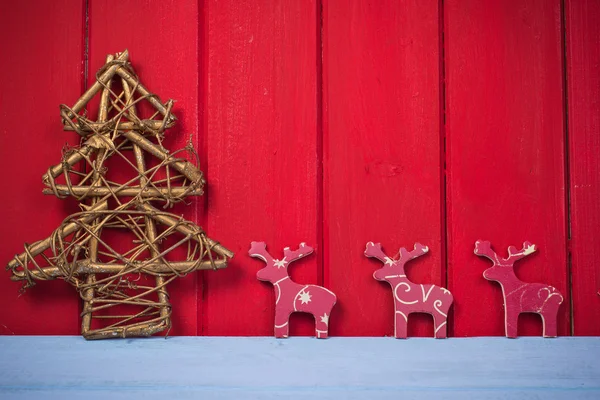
(282, 325)
(440, 326)
(322, 322)
(400, 325)
(512, 322)
(549, 315)
(321, 328)
(549, 323)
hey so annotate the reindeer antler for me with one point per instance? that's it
(374, 250)
(484, 248)
(514, 255)
(259, 250)
(417, 251)
(293, 255)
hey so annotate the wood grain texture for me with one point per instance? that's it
(300, 368)
(42, 67)
(583, 82)
(381, 154)
(261, 118)
(247, 78)
(505, 152)
(162, 39)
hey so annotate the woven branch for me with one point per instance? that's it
(117, 302)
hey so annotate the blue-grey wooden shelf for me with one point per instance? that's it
(51, 367)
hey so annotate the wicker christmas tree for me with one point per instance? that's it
(111, 276)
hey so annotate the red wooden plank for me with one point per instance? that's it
(583, 82)
(381, 153)
(261, 120)
(42, 68)
(505, 152)
(162, 39)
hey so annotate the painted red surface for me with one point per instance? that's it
(505, 151)
(520, 297)
(290, 296)
(583, 81)
(42, 69)
(382, 170)
(408, 296)
(335, 122)
(262, 162)
(162, 38)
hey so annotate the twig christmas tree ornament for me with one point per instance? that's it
(116, 303)
(520, 297)
(411, 297)
(290, 296)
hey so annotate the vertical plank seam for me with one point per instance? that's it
(199, 286)
(443, 155)
(567, 160)
(85, 56)
(86, 44)
(202, 60)
(320, 189)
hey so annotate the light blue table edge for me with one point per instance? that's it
(60, 367)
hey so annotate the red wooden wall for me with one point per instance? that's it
(334, 122)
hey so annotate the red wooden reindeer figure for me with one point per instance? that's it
(291, 296)
(411, 297)
(520, 297)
